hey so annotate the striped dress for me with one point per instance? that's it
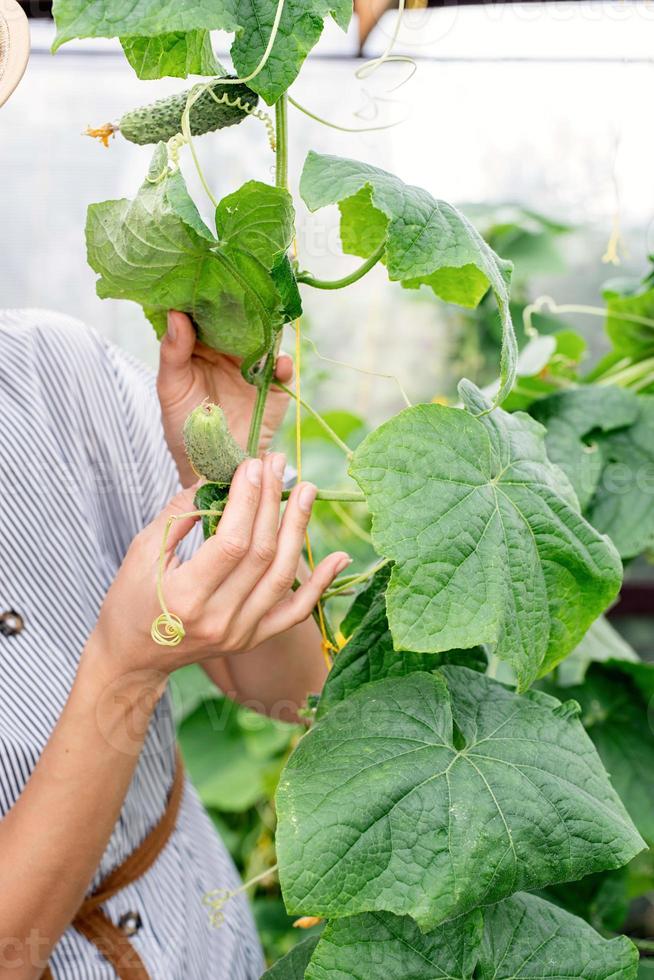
(84, 466)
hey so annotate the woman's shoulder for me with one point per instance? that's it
(33, 320)
(27, 336)
(46, 344)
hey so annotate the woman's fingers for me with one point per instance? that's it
(218, 556)
(299, 606)
(276, 582)
(263, 545)
(284, 368)
(153, 534)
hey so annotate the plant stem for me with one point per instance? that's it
(264, 380)
(281, 159)
(644, 945)
(336, 439)
(345, 496)
(348, 581)
(258, 411)
(359, 273)
(627, 375)
(349, 522)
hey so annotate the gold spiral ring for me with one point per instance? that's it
(167, 630)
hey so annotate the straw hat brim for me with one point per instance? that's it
(14, 46)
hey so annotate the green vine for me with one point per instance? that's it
(352, 277)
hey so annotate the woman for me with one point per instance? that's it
(105, 850)
(87, 755)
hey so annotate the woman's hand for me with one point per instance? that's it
(234, 593)
(189, 372)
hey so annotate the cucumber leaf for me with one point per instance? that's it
(177, 54)
(426, 241)
(433, 794)
(615, 715)
(259, 219)
(622, 506)
(628, 299)
(294, 964)
(156, 251)
(283, 276)
(601, 643)
(252, 22)
(210, 496)
(485, 535)
(523, 936)
(369, 655)
(571, 419)
(300, 28)
(364, 599)
(377, 943)
(102, 18)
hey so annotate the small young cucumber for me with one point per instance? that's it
(162, 120)
(211, 448)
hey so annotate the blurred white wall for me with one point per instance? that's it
(546, 105)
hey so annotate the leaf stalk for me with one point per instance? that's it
(309, 280)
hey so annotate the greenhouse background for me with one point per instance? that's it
(532, 117)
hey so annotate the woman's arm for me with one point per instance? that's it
(276, 677)
(53, 838)
(229, 599)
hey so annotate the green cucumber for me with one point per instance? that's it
(211, 448)
(162, 120)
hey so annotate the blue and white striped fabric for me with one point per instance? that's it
(84, 466)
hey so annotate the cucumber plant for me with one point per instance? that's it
(449, 786)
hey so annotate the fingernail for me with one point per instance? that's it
(343, 564)
(172, 328)
(253, 472)
(307, 497)
(278, 464)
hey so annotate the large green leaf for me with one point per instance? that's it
(294, 964)
(364, 599)
(259, 219)
(615, 715)
(426, 241)
(106, 18)
(300, 28)
(522, 937)
(369, 655)
(178, 54)
(604, 899)
(156, 251)
(601, 643)
(377, 944)
(571, 419)
(485, 534)
(433, 794)
(622, 506)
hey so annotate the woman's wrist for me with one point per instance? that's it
(123, 698)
